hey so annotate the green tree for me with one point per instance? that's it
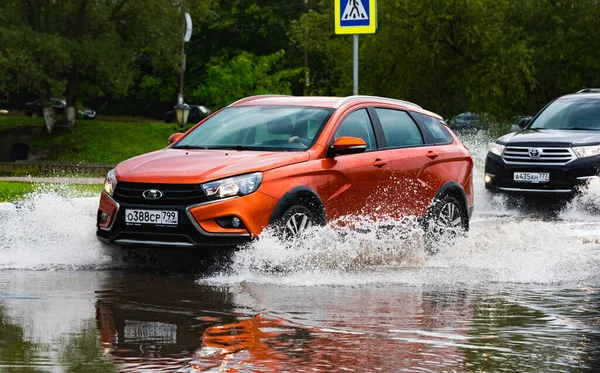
(245, 75)
(85, 48)
(448, 56)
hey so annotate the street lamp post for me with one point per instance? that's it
(182, 112)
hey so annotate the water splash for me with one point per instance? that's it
(50, 230)
(586, 204)
(507, 244)
(356, 244)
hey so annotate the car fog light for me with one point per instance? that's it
(235, 222)
(102, 218)
(487, 178)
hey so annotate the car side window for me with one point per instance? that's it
(398, 128)
(358, 124)
(436, 129)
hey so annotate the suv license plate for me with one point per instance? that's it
(160, 217)
(532, 177)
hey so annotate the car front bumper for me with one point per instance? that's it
(564, 179)
(198, 225)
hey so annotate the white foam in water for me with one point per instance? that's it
(585, 205)
(50, 230)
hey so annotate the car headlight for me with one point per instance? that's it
(233, 186)
(110, 183)
(586, 151)
(495, 148)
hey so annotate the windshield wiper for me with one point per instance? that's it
(189, 147)
(237, 147)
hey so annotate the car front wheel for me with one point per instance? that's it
(295, 221)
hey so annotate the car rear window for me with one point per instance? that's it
(398, 128)
(436, 129)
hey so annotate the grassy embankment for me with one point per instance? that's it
(11, 191)
(105, 141)
(92, 141)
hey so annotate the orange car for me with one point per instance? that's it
(290, 162)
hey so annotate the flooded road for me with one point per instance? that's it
(520, 293)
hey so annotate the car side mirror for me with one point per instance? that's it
(175, 137)
(524, 122)
(349, 145)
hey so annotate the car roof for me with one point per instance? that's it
(324, 101)
(584, 95)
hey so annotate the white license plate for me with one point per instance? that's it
(532, 177)
(159, 217)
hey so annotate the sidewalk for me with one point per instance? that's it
(57, 180)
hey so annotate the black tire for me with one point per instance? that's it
(446, 219)
(295, 221)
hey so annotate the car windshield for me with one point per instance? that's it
(279, 128)
(570, 114)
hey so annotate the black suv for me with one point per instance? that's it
(555, 152)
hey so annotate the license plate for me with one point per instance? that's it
(159, 217)
(532, 177)
(149, 331)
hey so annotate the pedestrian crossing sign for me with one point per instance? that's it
(355, 16)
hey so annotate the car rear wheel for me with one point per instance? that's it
(446, 219)
(295, 221)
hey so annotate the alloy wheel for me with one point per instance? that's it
(297, 224)
(449, 217)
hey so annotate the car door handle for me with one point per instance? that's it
(379, 162)
(431, 154)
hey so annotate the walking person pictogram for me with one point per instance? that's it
(355, 11)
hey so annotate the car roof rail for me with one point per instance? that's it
(252, 98)
(345, 100)
(590, 90)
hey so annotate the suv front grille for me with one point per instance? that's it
(545, 156)
(173, 194)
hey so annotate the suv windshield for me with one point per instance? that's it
(570, 114)
(279, 128)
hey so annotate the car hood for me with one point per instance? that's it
(541, 137)
(170, 166)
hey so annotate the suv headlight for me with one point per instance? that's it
(233, 186)
(495, 148)
(586, 151)
(110, 182)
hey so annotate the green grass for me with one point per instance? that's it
(92, 141)
(10, 121)
(14, 190)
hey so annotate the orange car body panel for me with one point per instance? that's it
(380, 182)
(254, 210)
(169, 166)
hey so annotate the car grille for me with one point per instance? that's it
(173, 194)
(546, 156)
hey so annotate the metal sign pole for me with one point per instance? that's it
(355, 17)
(355, 73)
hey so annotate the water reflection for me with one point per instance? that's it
(16, 354)
(142, 322)
(155, 321)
